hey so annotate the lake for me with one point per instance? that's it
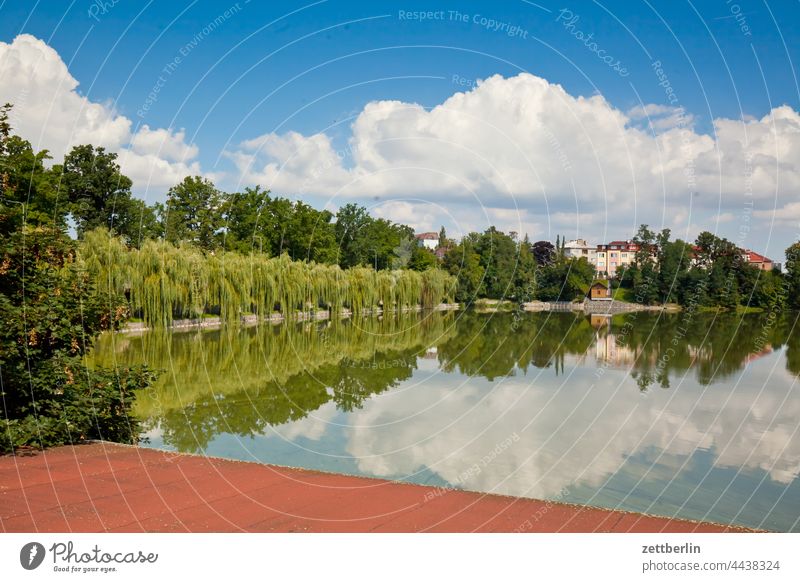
(692, 415)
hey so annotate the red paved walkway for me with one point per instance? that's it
(106, 487)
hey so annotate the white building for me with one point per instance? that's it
(429, 240)
(579, 248)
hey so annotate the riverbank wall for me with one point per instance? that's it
(596, 307)
(250, 320)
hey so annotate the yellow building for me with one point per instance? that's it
(614, 257)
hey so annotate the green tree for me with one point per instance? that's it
(50, 313)
(793, 275)
(422, 259)
(99, 195)
(565, 280)
(351, 223)
(463, 262)
(380, 242)
(768, 290)
(311, 234)
(142, 222)
(443, 242)
(193, 213)
(499, 259)
(245, 219)
(674, 261)
(364, 240)
(28, 190)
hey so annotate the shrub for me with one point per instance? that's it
(50, 315)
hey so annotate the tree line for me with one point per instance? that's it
(710, 272)
(88, 191)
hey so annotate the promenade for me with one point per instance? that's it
(101, 487)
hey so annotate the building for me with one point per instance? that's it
(429, 240)
(578, 248)
(600, 291)
(748, 257)
(756, 260)
(615, 256)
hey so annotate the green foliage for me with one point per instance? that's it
(565, 280)
(28, 190)
(256, 222)
(674, 261)
(422, 259)
(464, 263)
(500, 260)
(793, 275)
(193, 213)
(164, 281)
(99, 195)
(364, 240)
(710, 274)
(50, 312)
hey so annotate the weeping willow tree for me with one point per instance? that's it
(163, 281)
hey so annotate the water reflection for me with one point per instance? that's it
(676, 415)
(242, 381)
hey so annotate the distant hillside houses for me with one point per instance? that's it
(613, 257)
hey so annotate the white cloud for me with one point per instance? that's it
(788, 214)
(51, 113)
(661, 117)
(524, 142)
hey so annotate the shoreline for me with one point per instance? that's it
(251, 320)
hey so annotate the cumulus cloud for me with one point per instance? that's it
(520, 153)
(51, 113)
(525, 142)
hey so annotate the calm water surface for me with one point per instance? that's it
(688, 415)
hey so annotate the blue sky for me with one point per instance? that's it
(272, 68)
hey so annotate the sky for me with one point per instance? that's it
(581, 119)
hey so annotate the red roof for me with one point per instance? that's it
(427, 236)
(754, 257)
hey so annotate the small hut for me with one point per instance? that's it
(600, 291)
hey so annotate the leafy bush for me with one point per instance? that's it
(50, 313)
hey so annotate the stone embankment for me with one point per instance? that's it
(247, 320)
(596, 307)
